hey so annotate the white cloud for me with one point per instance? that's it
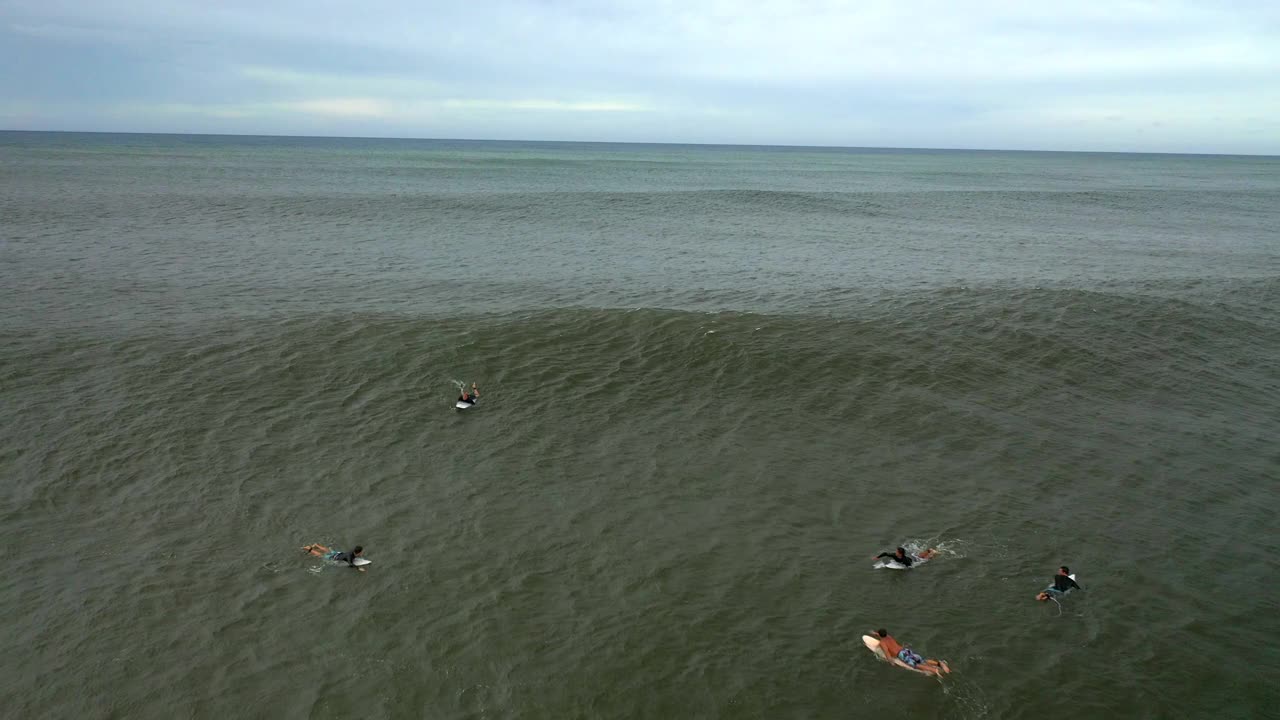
(548, 105)
(326, 83)
(340, 107)
(367, 108)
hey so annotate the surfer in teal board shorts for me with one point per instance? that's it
(337, 555)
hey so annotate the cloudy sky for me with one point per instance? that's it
(1086, 75)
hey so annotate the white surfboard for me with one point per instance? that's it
(874, 646)
(361, 562)
(463, 405)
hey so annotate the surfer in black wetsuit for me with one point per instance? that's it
(1062, 582)
(902, 558)
(470, 397)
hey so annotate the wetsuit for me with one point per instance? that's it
(1062, 583)
(904, 560)
(346, 557)
(468, 398)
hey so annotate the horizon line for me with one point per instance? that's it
(642, 142)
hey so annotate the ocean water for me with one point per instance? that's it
(714, 382)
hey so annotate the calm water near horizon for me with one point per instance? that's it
(715, 381)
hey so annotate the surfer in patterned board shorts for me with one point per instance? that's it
(470, 397)
(892, 649)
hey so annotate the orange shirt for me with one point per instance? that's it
(890, 647)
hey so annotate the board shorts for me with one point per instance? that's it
(1055, 592)
(332, 554)
(909, 657)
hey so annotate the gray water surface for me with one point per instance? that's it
(715, 381)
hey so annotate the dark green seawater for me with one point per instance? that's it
(715, 381)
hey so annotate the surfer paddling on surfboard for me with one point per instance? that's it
(470, 398)
(892, 650)
(354, 559)
(1062, 582)
(902, 558)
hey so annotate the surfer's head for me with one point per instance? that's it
(1064, 570)
(882, 632)
(359, 549)
(902, 551)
